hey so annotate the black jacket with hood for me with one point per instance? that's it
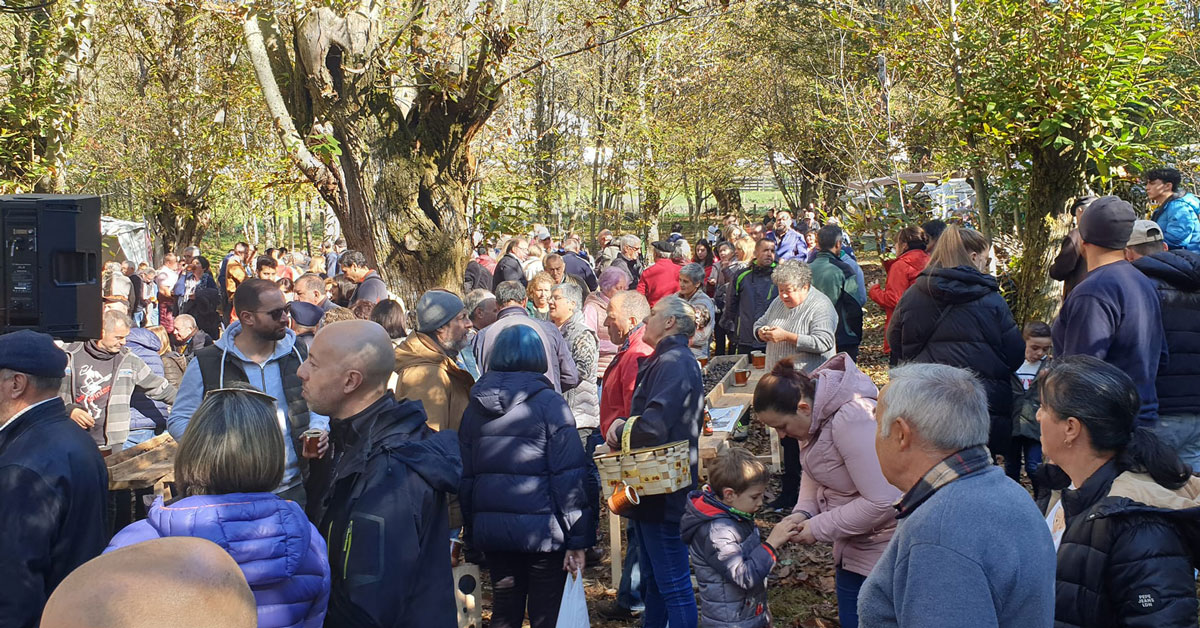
(1128, 552)
(386, 520)
(1176, 277)
(956, 316)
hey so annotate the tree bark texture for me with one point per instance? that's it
(1056, 178)
(393, 164)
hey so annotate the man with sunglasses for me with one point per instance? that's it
(258, 349)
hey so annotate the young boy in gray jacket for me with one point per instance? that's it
(728, 555)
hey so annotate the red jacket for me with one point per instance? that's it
(659, 280)
(616, 395)
(900, 275)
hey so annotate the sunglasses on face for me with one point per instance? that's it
(276, 314)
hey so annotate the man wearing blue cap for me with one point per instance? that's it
(305, 318)
(53, 483)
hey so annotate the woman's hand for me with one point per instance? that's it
(574, 561)
(804, 536)
(766, 333)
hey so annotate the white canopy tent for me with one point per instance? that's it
(125, 240)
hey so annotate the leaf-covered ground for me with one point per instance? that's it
(801, 588)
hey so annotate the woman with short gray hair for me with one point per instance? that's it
(799, 324)
(691, 289)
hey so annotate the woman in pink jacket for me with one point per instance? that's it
(844, 498)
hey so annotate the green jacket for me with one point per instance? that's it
(838, 281)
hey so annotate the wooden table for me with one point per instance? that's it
(150, 465)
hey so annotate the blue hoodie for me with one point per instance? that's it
(280, 552)
(266, 378)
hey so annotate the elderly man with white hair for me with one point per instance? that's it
(691, 288)
(669, 401)
(971, 548)
(628, 259)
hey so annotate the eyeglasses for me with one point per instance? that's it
(248, 391)
(276, 314)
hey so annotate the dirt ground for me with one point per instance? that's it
(801, 587)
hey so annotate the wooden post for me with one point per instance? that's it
(616, 556)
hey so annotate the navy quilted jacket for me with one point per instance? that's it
(525, 484)
(144, 412)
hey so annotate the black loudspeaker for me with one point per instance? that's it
(50, 272)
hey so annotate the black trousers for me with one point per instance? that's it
(789, 492)
(523, 580)
(720, 337)
(851, 350)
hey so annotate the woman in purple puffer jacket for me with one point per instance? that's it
(227, 465)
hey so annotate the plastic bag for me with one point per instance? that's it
(572, 611)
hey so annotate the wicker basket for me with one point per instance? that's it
(649, 470)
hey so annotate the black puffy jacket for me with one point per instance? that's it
(1128, 551)
(956, 316)
(1176, 277)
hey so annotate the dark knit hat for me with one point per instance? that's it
(436, 308)
(1107, 222)
(32, 353)
(664, 246)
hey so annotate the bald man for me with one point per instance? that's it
(391, 477)
(195, 583)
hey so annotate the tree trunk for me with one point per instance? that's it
(1055, 179)
(394, 165)
(181, 221)
(729, 201)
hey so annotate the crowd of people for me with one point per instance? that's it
(340, 453)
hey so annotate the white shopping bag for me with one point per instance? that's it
(573, 612)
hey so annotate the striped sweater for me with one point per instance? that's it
(814, 320)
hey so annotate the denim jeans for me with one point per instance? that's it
(137, 437)
(668, 577)
(848, 584)
(1182, 433)
(630, 594)
(1030, 450)
(521, 580)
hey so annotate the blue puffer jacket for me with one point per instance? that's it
(144, 412)
(1179, 218)
(280, 552)
(731, 563)
(525, 484)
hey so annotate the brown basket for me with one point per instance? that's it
(650, 470)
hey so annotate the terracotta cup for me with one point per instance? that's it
(741, 377)
(703, 362)
(759, 359)
(622, 499)
(312, 442)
